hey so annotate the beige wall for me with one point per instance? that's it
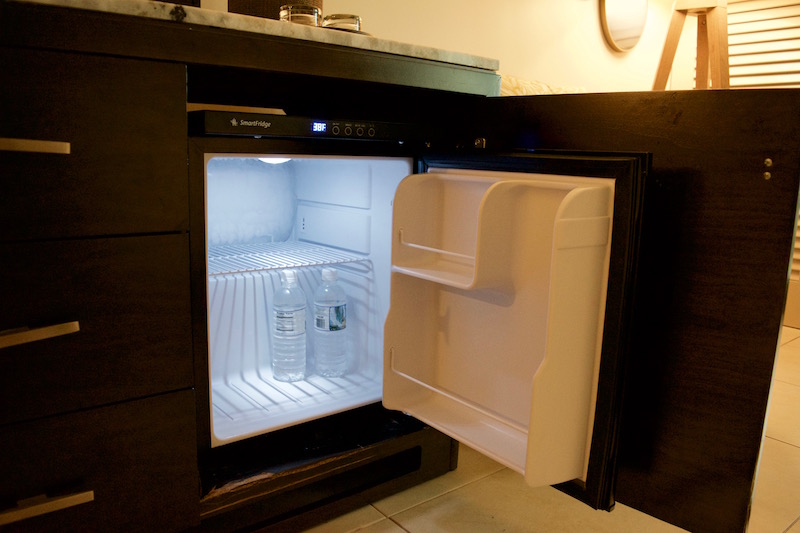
(555, 41)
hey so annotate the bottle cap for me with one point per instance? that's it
(289, 276)
(329, 274)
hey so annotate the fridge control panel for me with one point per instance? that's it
(263, 125)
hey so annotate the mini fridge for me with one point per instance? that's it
(487, 296)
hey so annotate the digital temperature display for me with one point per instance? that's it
(319, 127)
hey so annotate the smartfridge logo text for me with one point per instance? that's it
(257, 123)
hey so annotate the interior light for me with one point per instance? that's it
(274, 160)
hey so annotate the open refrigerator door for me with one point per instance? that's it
(497, 308)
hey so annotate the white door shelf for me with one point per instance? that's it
(498, 293)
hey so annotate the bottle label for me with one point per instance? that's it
(330, 317)
(290, 323)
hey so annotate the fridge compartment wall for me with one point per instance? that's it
(270, 212)
(510, 372)
(245, 399)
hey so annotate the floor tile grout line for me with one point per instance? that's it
(359, 528)
(382, 513)
(784, 442)
(401, 527)
(368, 524)
(449, 491)
(796, 521)
(787, 382)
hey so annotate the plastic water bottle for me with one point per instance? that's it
(289, 330)
(330, 326)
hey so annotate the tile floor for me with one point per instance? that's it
(484, 496)
(776, 501)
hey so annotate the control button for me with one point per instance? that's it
(360, 132)
(348, 130)
(371, 132)
(335, 130)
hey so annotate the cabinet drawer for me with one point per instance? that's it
(134, 462)
(130, 299)
(124, 125)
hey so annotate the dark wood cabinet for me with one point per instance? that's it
(97, 411)
(718, 222)
(126, 467)
(129, 300)
(123, 125)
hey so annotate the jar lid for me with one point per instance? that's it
(342, 21)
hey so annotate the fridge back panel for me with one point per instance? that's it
(498, 293)
(267, 213)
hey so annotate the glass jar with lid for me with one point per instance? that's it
(301, 14)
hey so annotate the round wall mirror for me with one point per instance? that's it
(623, 22)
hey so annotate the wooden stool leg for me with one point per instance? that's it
(670, 47)
(701, 69)
(718, 47)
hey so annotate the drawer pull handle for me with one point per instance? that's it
(25, 335)
(41, 505)
(8, 144)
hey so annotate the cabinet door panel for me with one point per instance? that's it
(137, 460)
(130, 300)
(710, 287)
(91, 146)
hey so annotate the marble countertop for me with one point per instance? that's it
(235, 21)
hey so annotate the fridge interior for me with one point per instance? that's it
(268, 213)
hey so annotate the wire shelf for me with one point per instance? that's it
(236, 258)
(245, 397)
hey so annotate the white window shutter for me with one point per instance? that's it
(764, 43)
(795, 275)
